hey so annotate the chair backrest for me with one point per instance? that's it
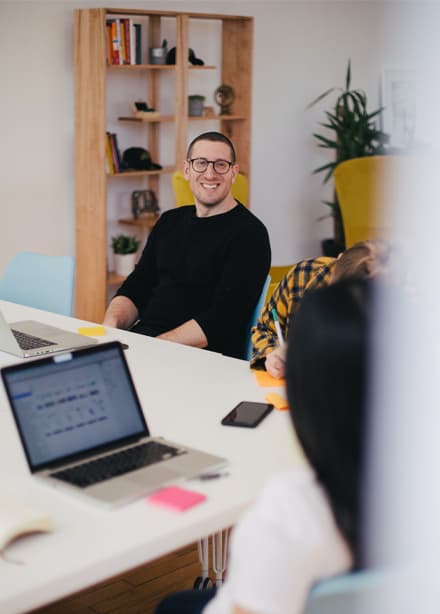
(364, 188)
(184, 196)
(255, 315)
(350, 593)
(41, 281)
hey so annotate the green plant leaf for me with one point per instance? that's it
(348, 75)
(326, 93)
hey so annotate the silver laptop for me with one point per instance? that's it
(30, 338)
(82, 427)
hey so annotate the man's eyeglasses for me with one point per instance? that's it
(200, 165)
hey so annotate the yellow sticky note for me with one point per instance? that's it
(277, 400)
(92, 331)
(265, 380)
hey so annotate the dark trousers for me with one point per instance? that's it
(185, 602)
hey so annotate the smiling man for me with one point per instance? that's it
(204, 266)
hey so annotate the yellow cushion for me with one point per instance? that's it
(183, 194)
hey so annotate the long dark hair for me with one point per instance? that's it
(326, 374)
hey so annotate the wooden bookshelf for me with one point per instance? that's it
(91, 69)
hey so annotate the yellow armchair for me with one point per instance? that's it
(363, 187)
(183, 194)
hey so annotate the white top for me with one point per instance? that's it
(284, 543)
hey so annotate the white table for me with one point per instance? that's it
(184, 393)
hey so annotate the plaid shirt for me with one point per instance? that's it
(303, 276)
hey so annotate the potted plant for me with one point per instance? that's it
(355, 135)
(124, 249)
(195, 105)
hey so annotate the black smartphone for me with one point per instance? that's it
(247, 413)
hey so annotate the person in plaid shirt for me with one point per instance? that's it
(363, 260)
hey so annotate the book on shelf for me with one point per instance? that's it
(124, 42)
(18, 519)
(115, 153)
(138, 43)
(110, 167)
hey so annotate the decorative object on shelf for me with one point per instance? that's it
(124, 250)
(158, 55)
(142, 110)
(224, 96)
(195, 105)
(192, 58)
(138, 159)
(143, 201)
(355, 136)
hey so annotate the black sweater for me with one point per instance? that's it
(210, 269)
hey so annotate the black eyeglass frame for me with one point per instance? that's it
(213, 162)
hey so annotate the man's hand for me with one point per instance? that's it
(276, 362)
(121, 313)
(188, 333)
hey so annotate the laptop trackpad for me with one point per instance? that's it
(153, 475)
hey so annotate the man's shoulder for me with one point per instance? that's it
(247, 218)
(178, 212)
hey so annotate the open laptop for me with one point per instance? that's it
(82, 427)
(30, 338)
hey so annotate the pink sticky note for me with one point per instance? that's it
(176, 498)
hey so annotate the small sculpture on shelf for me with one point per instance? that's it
(141, 110)
(144, 201)
(224, 96)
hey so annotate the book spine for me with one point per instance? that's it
(126, 24)
(132, 36)
(108, 154)
(117, 153)
(119, 41)
(138, 42)
(115, 43)
(123, 42)
(114, 156)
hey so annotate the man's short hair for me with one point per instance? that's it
(217, 137)
(363, 260)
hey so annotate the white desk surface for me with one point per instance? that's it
(184, 393)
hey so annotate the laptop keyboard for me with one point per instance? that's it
(30, 342)
(119, 463)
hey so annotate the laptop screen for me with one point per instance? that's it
(73, 403)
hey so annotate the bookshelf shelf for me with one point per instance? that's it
(128, 174)
(94, 187)
(147, 221)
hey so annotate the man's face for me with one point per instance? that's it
(209, 187)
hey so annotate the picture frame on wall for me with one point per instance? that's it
(398, 93)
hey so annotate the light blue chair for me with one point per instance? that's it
(41, 281)
(351, 593)
(255, 315)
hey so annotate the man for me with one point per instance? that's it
(363, 260)
(204, 266)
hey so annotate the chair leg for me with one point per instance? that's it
(220, 547)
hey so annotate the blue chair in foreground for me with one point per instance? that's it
(41, 281)
(351, 593)
(255, 315)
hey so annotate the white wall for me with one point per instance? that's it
(301, 49)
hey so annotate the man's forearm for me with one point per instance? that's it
(121, 313)
(188, 333)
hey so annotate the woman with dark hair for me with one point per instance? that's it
(305, 525)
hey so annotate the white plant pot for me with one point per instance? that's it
(124, 263)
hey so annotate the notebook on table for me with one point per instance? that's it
(29, 338)
(82, 427)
